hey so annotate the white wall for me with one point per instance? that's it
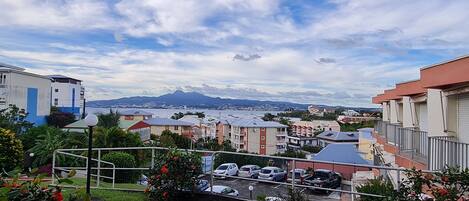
(385, 111)
(393, 111)
(19, 84)
(64, 95)
(435, 113)
(407, 114)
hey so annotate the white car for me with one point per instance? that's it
(300, 174)
(249, 171)
(224, 190)
(226, 169)
(272, 174)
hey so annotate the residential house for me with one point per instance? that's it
(426, 121)
(337, 137)
(203, 127)
(134, 115)
(258, 136)
(223, 130)
(304, 132)
(158, 125)
(28, 91)
(68, 94)
(134, 126)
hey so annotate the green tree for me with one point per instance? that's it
(11, 150)
(60, 119)
(180, 141)
(312, 149)
(292, 154)
(46, 143)
(14, 119)
(115, 137)
(177, 115)
(268, 117)
(109, 120)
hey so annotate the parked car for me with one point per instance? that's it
(272, 174)
(300, 175)
(324, 179)
(201, 185)
(226, 169)
(249, 171)
(274, 199)
(224, 190)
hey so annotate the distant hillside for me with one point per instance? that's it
(180, 99)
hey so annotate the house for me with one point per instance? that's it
(419, 116)
(68, 94)
(134, 126)
(223, 130)
(258, 136)
(304, 132)
(203, 128)
(28, 91)
(337, 137)
(158, 125)
(138, 115)
(350, 113)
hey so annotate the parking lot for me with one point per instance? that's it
(268, 189)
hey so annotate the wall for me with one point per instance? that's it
(407, 114)
(435, 112)
(68, 96)
(157, 130)
(132, 117)
(385, 106)
(393, 111)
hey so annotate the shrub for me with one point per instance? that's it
(122, 160)
(312, 149)
(11, 150)
(60, 119)
(378, 187)
(173, 171)
(48, 139)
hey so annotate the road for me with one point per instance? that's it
(268, 189)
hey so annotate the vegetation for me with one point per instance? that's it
(173, 171)
(121, 160)
(306, 116)
(14, 119)
(269, 117)
(59, 119)
(240, 160)
(377, 186)
(312, 149)
(292, 154)
(108, 120)
(169, 139)
(352, 127)
(46, 142)
(181, 115)
(115, 137)
(11, 150)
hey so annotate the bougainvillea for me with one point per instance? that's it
(174, 172)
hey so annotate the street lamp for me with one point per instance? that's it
(250, 192)
(91, 120)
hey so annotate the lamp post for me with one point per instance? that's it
(91, 120)
(250, 192)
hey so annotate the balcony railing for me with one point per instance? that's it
(413, 143)
(447, 151)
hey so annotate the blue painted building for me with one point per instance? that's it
(67, 94)
(28, 91)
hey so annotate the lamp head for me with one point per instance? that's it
(251, 188)
(91, 120)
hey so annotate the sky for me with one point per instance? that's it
(334, 52)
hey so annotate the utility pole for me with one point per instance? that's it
(84, 109)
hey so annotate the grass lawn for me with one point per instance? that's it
(110, 195)
(82, 182)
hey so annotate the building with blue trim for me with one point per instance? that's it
(28, 91)
(67, 94)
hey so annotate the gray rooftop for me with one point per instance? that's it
(16, 68)
(342, 153)
(166, 122)
(339, 136)
(61, 77)
(257, 123)
(134, 112)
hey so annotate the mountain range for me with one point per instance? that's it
(180, 99)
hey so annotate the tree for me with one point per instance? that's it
(177, 115)
(11, 150)
(312, 149)
(46, 143)
(14, 119)
(268, 117)
(60, 119)
(115, 137)
(292, 154)
(180, 141)
(109, 120)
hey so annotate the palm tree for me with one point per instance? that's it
(109, 120)
(46, 144)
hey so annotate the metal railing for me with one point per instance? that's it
(413, 142)
(447, 151)
(292, 163)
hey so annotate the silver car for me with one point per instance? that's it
(249, 171)
(272, 174)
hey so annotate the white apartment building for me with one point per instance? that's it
(258, 136)
(67, 94)
(29, 92)
(303, 132)
(429, 116)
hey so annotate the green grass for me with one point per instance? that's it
(110, 195)
(82, 182)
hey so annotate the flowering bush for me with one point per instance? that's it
(174, 171)
(11, 150)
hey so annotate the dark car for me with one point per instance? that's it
(324, 179)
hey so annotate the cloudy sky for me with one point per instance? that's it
(336, 52)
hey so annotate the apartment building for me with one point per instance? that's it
(28, 91)
(67, 94)
(138, 115)
(304, 132)
(337, 137)
(258, 136)
(426, 121)
(158, 125)
(223, 129)
(203, 127)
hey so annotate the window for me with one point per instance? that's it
(56, 101)
(129, 117)
(56, 90)
(262, 137)
(262, 146)
(176, 127)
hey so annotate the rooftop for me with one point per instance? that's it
(339, 136)
(79, 125)
(257, 123)
(157, 121)
(342, 153)
(62, 77)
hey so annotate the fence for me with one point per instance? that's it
(447, 151)
(106, 175)
(414, 143)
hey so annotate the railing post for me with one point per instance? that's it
(429, 161)
(412, 146)
(211, 172)
(53, 167)
(398, 180)
(99, 168)
(152, 158)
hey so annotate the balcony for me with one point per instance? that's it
(413, 147)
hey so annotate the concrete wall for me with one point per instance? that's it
(385, 106)
(393, 111)
(435, 109)
(68, 96)
(157, 130)
(407, 113)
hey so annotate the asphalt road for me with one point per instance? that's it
(268, 189)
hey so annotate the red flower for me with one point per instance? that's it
(58, 196)
(164, 170)
(442, 191)
(445, 179)
(165, 195)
